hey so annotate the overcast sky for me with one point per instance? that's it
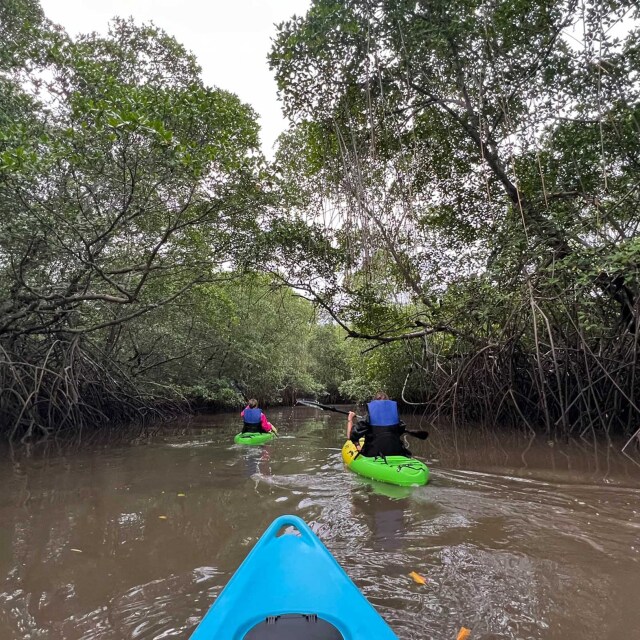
(230, 38)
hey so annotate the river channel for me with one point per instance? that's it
(518, 539)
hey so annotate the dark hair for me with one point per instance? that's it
(253, 403)
(381, 395)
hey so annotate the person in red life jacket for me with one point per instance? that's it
(381, 428)
(254, 419)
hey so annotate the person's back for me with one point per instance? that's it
(254, 419)
(382, 429)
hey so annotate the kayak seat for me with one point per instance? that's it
(294, 626)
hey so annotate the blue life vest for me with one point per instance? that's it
(252, 416)
(383, 413)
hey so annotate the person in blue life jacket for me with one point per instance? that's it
(381, 428)
(254, 419)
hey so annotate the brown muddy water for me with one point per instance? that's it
(518, 539)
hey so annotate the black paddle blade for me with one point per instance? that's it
(309, 403)
(421, 435)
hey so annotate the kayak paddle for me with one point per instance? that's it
(316, 405)
(421, 435)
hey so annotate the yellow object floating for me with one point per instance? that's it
(162, 517)
(181, 495)
(419, 579)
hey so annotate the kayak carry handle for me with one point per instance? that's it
(298, 523)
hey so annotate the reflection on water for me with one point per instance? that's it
(517, 539)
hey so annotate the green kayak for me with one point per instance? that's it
(251, 437)
(398, 470)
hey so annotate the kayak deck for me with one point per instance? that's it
(253, 437)
(398, 470)
(290, 587)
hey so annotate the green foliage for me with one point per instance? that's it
(135, 208)
(125, 183)
(482, 169)
(240, 337)
(455, 201)
(359, 389)
(330, 361)
(22, 28)
(219, 394)
(142, 183)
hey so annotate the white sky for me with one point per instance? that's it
(230, 38)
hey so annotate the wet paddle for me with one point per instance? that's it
(325, 407)
(421, 435)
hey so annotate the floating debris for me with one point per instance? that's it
(418, 578)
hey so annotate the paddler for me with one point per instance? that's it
(381, 428)
(254, 419)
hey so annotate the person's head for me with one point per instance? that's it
(381, 395)
(253, 403)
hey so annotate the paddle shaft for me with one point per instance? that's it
(326, 407)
